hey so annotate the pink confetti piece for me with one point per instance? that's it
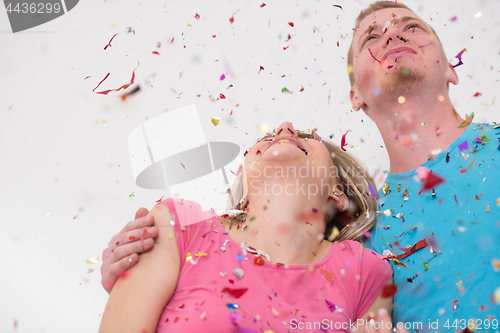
(109, 44)
(342, 141)
(125, 86)
(222, 77)
(463, 146)
(331, 306)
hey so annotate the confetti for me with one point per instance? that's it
(496, 264)
(328, 275)
(284, 89)
(477, 94)
(432, 181)
(94, 260)
(109, 44)
(342, 141)
(238, 272)
(197, 16)
(401, 99)
(125, 86)
(467, 121)
(389, 291)
(418, 246)
(455, 305)
(236, 293)
(262, 5)
(215, 121)
(290, 24)
(331, 306)
(459, 57)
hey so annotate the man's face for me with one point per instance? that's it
(395, 51)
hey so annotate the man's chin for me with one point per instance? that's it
(398, 79)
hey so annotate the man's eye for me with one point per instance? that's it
(412, 26)
(368, 39)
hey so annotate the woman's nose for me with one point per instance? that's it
(286, 128)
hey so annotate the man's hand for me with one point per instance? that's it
(124, 248)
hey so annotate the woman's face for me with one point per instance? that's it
(292, 154)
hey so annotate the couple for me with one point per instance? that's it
(438, 224)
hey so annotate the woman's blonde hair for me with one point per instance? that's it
(353, 181)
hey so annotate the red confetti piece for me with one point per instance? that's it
(258, 261)
(389, 291)
(213, 36)
(222, 96)
(197, 16)
(261, 68)
(338, 43)
(172, 40)
(477, 94)
(87, 77)
(262, 5)
(313, 253)
(160, 199)
(302, 88)
(418, 246)
(455, 305)
(413, 278)
(432, 181)
(236, 293)
(183, 165)
(176, 319)
(373, 55)
(289, 37)
(342, 141)
(155, 52)
(290, 24)
(109, 44)
(284, 48)
(131, 238)
(231, 19)
(125, 86)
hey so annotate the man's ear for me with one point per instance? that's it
(452, 74)
(356, 101)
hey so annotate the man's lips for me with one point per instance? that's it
(398, 51)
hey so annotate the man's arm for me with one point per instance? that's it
(124, 248)
(139, 297)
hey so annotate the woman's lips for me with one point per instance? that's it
(289, 140)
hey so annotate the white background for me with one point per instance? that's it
(58, 163)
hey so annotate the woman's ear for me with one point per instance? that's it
(340, 199)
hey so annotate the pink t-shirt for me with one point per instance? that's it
(210, 297)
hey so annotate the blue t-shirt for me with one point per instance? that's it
(456, 276)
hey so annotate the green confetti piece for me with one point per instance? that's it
(426, 266)
(406, 71)
(423, 124)
(284, 89)
(484, 138)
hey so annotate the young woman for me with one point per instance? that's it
(271, 267)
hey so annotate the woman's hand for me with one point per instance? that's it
(381, 324)
(123, 250)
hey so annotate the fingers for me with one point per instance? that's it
(140, 222)
(141, 212)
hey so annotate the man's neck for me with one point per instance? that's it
(417, 129)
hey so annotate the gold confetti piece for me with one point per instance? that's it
(264, 128)
(498, 201)
(401, 99)
(386, 186)
(201, 254)
(101, 122)
(399, 187)
(154, 136)
(189, 256)
(487, 208)
(397, 262)
(268, 331)
(349, 68)
(335, 232)
(459, 283)
(215, 121)
(328, 275)
(94, 260)
(426, 267)
(189, 25)
(170, 237)
(183, 228)
(75, 217)
(496, 264)
(492, 102)
(237, 104)
(467, 121)
(222, 274)
(203, 315)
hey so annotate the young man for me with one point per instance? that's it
(440, 214)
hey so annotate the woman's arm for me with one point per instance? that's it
(139, 297)
(379, 303)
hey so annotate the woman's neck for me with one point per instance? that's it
(289, 228)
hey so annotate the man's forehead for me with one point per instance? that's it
(381, 16)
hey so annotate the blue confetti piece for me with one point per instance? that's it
(239, 257)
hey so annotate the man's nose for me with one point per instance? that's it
(393, 35)
(286, 128)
